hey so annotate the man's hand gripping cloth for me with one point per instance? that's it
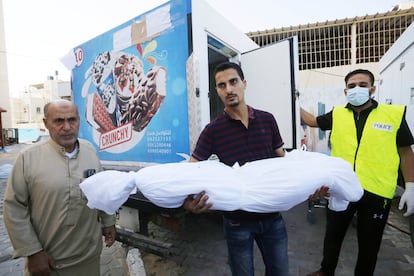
(268, 185)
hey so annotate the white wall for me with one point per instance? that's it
(4, 83)
(397, 74)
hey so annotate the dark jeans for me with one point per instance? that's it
(271, 237)
(372, 214)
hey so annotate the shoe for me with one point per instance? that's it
(317, 273)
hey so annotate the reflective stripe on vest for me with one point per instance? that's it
(375, 160)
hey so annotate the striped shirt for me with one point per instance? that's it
(232, 142)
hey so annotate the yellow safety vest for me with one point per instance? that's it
(375, 159)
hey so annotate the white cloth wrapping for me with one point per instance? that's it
(268, 185)
(108, 190)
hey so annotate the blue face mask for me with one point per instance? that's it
(357, 96)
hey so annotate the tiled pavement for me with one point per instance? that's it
(200, 248)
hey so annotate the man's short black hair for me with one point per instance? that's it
(229, 65)
(360, 71)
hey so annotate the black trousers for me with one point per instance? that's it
(372, 214)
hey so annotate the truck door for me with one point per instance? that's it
(271, 73)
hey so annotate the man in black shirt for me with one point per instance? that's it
(375, 139)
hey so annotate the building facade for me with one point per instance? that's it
(27, 106)
(4, 83)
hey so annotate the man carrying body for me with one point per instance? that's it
(242, 134)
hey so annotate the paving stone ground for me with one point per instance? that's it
(200, 247)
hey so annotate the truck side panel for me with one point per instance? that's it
(130, 86)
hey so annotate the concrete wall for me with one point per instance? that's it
(397, 71)
(4, 84)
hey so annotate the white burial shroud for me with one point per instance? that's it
(268, 185)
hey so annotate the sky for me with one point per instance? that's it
(39, 33)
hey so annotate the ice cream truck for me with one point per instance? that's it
(145, 90)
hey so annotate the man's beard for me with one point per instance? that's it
(234, 103)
